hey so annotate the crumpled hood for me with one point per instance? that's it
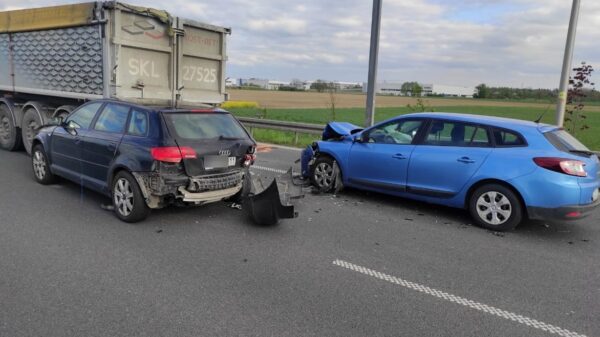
(335, 130)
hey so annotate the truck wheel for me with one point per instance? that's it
(31, 122)
(496, 207)
(41, 167)
(10, 139)
(128, 200)
(322, 174)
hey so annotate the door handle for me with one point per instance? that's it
(466, 160)
(77, 140)
(111, 147)
(399, 156)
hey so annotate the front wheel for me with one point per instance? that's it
(41, 167)
(496, 207)
(128, 200)
(322, 174)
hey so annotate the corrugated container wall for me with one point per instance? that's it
(94, 50)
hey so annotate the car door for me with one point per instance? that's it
(449, 155)
(380, 160)
(101, 143)
(66, 140)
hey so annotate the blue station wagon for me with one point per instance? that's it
(146, 158)
(502, 170)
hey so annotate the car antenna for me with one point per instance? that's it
(537, 121)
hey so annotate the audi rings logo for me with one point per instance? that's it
(224, 153)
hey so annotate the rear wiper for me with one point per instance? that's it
(221, 137)
(587, 153)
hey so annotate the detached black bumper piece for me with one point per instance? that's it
(565, 213)
(265, 208)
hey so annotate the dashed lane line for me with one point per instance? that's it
(460, 300)
(268, 169)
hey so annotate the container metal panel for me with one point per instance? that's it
(58, 60)
(5, 71)
(201, 65)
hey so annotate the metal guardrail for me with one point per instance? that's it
(296, 128)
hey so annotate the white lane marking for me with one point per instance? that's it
(460, 300)
(268, 169)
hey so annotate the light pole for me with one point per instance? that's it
(566, 68)
(373, 58)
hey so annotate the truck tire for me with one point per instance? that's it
(31, 122)
(10, 137)
(128, 199)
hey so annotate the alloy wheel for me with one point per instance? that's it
(123, 197)
(323, 175)
(39, 165)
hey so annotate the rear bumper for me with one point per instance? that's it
(564, 213)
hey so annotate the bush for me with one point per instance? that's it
(239, 105)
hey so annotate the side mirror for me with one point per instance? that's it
(70, 127)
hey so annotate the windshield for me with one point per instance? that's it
(564, 141)
(203, 126)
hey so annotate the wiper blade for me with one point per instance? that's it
(221, 137)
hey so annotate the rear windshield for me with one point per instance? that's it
(563, 141)
(204, 126)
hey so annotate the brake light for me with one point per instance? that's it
(249, 159)
(172, 154)
(202, 110)
(562, 165)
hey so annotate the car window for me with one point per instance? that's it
(396, 132)
(564, 141)
(507, 138)
(82, 117)
(138, 123)
(112, 118)
(204, 126)
(443, 133)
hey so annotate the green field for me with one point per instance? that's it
(590, 137)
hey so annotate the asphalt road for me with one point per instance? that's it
(359, 264)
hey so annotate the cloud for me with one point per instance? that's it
(463, 42)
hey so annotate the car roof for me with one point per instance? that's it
(162, 108)
(502, 122)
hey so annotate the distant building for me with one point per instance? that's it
(395, 88)
(263, 83)
(232, 82)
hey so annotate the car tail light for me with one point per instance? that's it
(172, 154)
(562, 165)
(249, 159)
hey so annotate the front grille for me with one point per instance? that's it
(215, 182)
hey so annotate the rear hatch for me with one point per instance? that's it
(218, 142)
(564, 141)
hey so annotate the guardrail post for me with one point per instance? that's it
(296, 138)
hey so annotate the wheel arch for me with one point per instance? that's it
(39, 108)
(489, 181)
(63, 108)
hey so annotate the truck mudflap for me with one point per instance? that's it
(268, 206)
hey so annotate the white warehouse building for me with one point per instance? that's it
(395, 88)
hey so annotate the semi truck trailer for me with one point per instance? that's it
(53, 59)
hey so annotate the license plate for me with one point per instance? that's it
(232, 161)
(215, 162)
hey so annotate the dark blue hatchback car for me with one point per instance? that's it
(146, 158)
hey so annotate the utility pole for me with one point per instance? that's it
(373, 58)
(566, 68)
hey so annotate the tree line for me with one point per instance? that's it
(483, 91)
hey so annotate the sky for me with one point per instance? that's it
(518, 43)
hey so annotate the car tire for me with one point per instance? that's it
(10, 138)
(496, 207)
(128, 200)
(31, 122)
(41, 166)
(322, 174)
